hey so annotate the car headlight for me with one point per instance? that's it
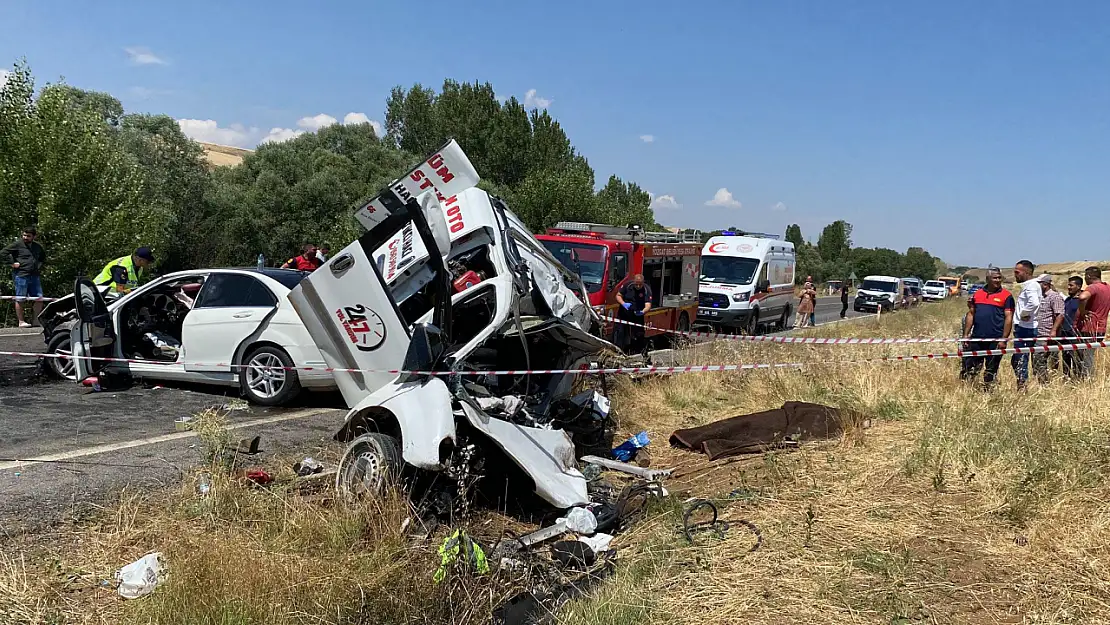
(740, 297)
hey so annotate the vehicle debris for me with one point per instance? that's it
(581, 521)
(651, 475)
(248, 446)
(447, 278)
(258, 476)
(626, 451)
(308, 466)
(140, 578)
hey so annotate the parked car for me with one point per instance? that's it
(973, 288)
(911, 296)
(228, 327)
(879, 293)
(934, 291)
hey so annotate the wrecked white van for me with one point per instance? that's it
(447, 278)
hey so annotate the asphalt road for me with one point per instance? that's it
(109, 441)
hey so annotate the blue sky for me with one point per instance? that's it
(978, 130)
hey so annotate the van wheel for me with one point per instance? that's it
(780, 325)
(371, 463)
(267, 377)
(752, 326)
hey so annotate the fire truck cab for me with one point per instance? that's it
(607, 257)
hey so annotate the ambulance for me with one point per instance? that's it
(746, 282)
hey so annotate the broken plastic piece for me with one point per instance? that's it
(647, 474)
(260, 477)
(307, 467)
(139, 578)
(627, 450)
(598, 542)
(573, 554)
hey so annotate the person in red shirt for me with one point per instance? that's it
(307, 261)
(1094, 307)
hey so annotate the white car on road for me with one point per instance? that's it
(934, 291)
(229, 327)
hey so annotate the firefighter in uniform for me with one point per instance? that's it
(634, 300)
(126, 272)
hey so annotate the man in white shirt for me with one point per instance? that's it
(1028, 303)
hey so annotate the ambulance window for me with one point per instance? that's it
(763, 273)
(618, 268)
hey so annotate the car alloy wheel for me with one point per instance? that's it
(62, 367)
(265, 375)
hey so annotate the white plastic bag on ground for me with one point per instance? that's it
(598, 542)
(581, 521)
(139, 578)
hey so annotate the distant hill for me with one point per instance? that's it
(1057, 270)
(222, 155)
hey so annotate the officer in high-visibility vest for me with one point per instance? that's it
(126, 272)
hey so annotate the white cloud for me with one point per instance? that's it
(208, 131)
(664, 202)
(277, 135)
(360, 118)
(647, 138)
(533, 101)
(143, 56)
(316, 122)
(723, 198)
(778, 207)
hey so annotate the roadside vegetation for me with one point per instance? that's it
(939, 504)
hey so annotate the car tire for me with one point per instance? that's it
(61, 368)
(268, 387)
(371, 463)
(784, 319)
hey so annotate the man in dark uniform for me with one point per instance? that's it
(844, 298)
(634, 301)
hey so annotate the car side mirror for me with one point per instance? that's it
(425, 349)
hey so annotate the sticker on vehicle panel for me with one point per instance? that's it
(363, 326)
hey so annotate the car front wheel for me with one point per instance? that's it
(369, 465)
(267, 377)
(60, 365)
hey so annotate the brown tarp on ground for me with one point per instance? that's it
(794, 423)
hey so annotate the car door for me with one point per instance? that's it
(229, 308)
(93, 336)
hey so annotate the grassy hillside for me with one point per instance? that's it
(223, 155)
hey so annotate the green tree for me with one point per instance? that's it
(622, 203)
(918, 263)
(809, 263)
(794, 235)
(835, 241)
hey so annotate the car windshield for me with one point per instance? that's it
(950, 282)
(935, 284)
(879, 285)
(591, 261)
(728, 269)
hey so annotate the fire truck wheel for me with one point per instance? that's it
(683, 326)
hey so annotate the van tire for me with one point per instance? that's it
(752, 326)
(371, 463)
(784, 318)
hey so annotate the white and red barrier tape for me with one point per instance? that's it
(804, 340)
(614, 370)
(20, 298)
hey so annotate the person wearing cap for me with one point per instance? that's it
(126, 272)
(1050, 317)
(1028, 302)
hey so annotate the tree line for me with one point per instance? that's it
(98, 182)
(834, 258)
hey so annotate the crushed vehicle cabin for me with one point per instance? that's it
(447, 279)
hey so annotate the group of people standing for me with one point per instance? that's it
(1041, 312)
(807, 305)
(310, 258)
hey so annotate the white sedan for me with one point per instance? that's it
(231, 327)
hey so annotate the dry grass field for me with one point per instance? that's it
(222, 155)
(939, 504)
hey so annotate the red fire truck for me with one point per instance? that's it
(608, 256)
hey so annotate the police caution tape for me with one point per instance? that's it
(622, 370)
(804, 340)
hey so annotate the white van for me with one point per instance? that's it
(879, 292)
(746, 281)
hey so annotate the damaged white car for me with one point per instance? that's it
(488, 301)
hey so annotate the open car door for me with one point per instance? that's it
(93, 336)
